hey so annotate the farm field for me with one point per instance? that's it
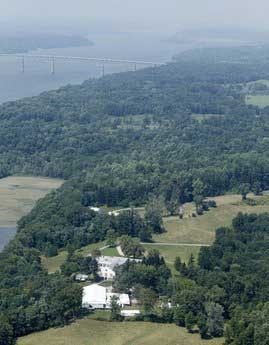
(261, 101)
(201, 230)
(92, 332)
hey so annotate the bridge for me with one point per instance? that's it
(103, 61)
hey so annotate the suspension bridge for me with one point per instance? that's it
(52, 59)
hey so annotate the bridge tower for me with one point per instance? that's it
(52, 66)
(22, 64)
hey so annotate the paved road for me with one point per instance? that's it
(120, 251)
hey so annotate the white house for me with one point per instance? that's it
(107, 265)
(98, 297)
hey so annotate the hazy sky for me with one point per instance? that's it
(122, 15)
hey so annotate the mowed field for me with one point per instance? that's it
(92, 332)
(18, 195)
(201, 230)
(261, 101)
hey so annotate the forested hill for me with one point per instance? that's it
(178, 131)
(25, 43)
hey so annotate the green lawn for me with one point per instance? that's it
(110, 252)
(171, 252)
(201, 230)
(261, 101)
(92, 332)
(202, 117)
(53, 264)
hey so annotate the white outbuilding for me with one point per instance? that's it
(98, 297)
(94, 297)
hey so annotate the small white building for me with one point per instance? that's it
(81, 277)
(98, 297)
(130, 313)
(114, 213)
(95, 209)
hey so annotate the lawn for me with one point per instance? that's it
(53, 264)
(202, 117)
(201, 230)
(92, 332)
(261, 101)
(171, 252)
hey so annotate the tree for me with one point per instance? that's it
(115, 309)
(261, 336)
(131, 247)
(244, 189)
(147, 298)
(153, 216)
(202, 325)
(145, 234)
(50, 250)
(215, 319)
(6, 332)
(257, 188)
(178, 264)
(190, 321)
(111, 237)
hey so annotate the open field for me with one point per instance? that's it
(261, 101)
(92, 332)
(18, 195)
(171, 252)
(202, 117)
(201, 230)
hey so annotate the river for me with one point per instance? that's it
(37, 77)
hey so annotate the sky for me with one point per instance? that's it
(136, 15)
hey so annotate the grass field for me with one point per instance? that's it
(18, 195)
(202, 117)
(261, 101)
(92, 332)
(201, 230)
(171, 252)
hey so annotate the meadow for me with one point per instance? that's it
(89, 332)
(201, 230)
(261, 101)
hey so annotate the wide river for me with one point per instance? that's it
(37, 77)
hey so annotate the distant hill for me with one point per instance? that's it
(24, 44)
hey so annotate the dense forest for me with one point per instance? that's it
(180, 132)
